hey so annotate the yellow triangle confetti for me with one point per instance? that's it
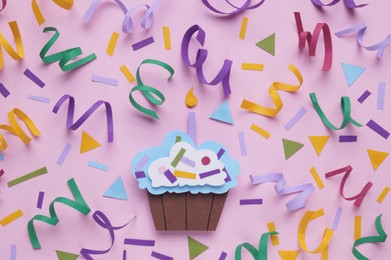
(88, 143)
(288, 254)
(318, 142)
(376, 158)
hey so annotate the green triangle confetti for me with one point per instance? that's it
(268, 44)
(195, 248)
(61, 255)
(291, 147)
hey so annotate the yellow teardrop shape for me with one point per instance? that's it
(191, 100)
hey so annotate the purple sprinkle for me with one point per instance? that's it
(223, 256)
(170, 176)
(295, 118)
(34, 78)
(251, 202)
(142, 163)
(228, 178)
(140, 174)
(139, 242)
(209, 173)
(336, 219)
(364, 96)
(13, 252)
(64, 154)
(143, 43)
(124, 255)
(161, 256)
(220, 153)
(242, 143)
(381, 92)
(347, 138)
(187, 161)
(40, 199)
(378, 129)
(4, 91)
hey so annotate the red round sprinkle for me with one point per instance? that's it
(205, 160)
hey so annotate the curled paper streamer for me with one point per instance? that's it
(312, 40)
(237, 9)
(301, 235)
(127, 23)
(360, 30)
(347, 170)
(64, 57)
(346, 109)
(19, 53)
(380, 238)
(297, 202)
(153, 95)
(102, 220)
(261, 253)
(273, 93)
(4, 3)
(78, 204)
(65, 4)
(224, 73)
(349, 3)
(15, 129)
(71, 112)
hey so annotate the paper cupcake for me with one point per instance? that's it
(186, 186)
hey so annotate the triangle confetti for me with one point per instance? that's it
(319, 142)
(352, 73)
(88, 143)
(268, 44)
(288, 254)
(117, 190)
(223, 114)
(61, 255)
(376, 158)
(291, 147)
(195, 248)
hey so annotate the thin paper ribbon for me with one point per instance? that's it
(71, 112)
(261, 253)
(312, 40)
(273, 93)
(102, 220)
(347, 170)
(127, 24)
(360, 30)
(4, 3)
(224, 73)
(64, 57)
(65, 4)
(237, 9)
(15, 129)
(78, 204)
(346, 109)
(19, 53)
(349, 3)
(153, 95)
(297, 202)
(380, 238)
(301, 234)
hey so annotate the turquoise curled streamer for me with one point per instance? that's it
(261, 253)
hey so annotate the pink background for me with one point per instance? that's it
(134, 132)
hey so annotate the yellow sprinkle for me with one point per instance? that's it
(260, 131)
(357, 227)
(252, 66)
(167, 38)
(112, 43)
(273, 238)
(191, 100)
(186, 175)
(383, 194)
(317, 179)
(11, 217)
(243, 28)
(127, 74)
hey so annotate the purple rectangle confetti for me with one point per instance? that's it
(251, 202)
(64, 154)
(336, 219)
(188, 162)
(347, 138)
(161, 256)
(295, 118)
(4, 91)
(364, 96)
(170, 176)
(139, 242)
(13, 252)
(39, 99)
(223, 256)
(40, 199)
(378, 129)
(104, 80)
(242, 143)
(141, 44)
(381, 92)
(209, 173)
(34, 78)
(140, 174)
(228, 178)
(220, 153)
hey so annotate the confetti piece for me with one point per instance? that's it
(88, 143)
(141, 44)
(364, 96)
(291, 147)
(260, 131)
(251, 202)
(104, 80)
(260, 253)
(124, 255)
(161, 256)
(188, 162)
(166, 37)
(11, 218)
(337, 218)
(347, 138)
(273, 93)
(318, 142)
(352, 72)
(19, 53)
(117, 190)
(4, 91)
(349, 3)
(268, 44)
(1, 172)
(378, 129)
(140, 165)
(295, 118)
(273, 238)
(39, 99)
(252, 66)
(178, 157)
(381, 92)
(312, 40)
(170, 176)
(209, 173)
(376, 158)
(196, 248)
(40, 199)
(61, 255)
(243, 28)
(71, 112)
(357, 227)
(242, 143)
(383, 194)
(139, 242)
(288, 254)
(78, 204)
(238, 9)
(346, 109)
(28, 176)
(223, 113)
(99, 166)
(223, 256)
(128, 75)
(317, 178)
(186, 175)
(191, 100)
(112, 43)
(12, 249)
(357, 198)
(64, 154)
(34, 78)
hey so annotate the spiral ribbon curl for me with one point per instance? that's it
(19, 53)
(237, 9)
(261, 253)
(349, 3)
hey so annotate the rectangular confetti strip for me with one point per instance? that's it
(252, 66)
(191, 126)
(347, 138)
(178, 157)
(13, 252)
(337, 218)
(357, 227)
(317, 178)
(170, 176)
(140, 165)
(139, 242)
(104, 80)
(161, 256)
(295, 118)
(34, 78)
(209, 173)
(112, 43)
(27, 177)
(378, 129)
(128, 75)
(124, 255)
(364, 96)
(381, 92)
(40, 199)
(99, 166)
(223, 256)
(11, 217)
(274, 238)
(188, 162)
(251, 202)
(4, 91)
(243, 28)
(141, 44)
(383, 194)
(242, 143)
(186, 175)
(39, 99)
(220, 153)
(140, 174)
(260, 131)
(64, 154)
(167, 38)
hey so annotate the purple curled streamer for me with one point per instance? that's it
(349, 3)
(238, 9)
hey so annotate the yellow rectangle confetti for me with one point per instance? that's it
(252, 66)
(383, 194)
(11, 217)
(167, 38)
(317, 179)
(357, 227)
(112, 43)
(273, 238)
(243, 28)
(129, 76)
(260, 131)
(186, 175)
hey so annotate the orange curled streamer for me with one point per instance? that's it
(19, 53)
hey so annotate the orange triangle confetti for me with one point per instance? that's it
(88, 143)
(376, 158)
(319, 142)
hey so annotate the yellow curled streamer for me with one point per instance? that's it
(19, 53)
(15, 129)
(270, 111)
(327, 235)
(65, 4)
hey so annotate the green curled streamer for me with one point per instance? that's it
(382, 236)
(78, 204)
(346, 109)
(63, 57)
(153, 95)
(261, 253)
